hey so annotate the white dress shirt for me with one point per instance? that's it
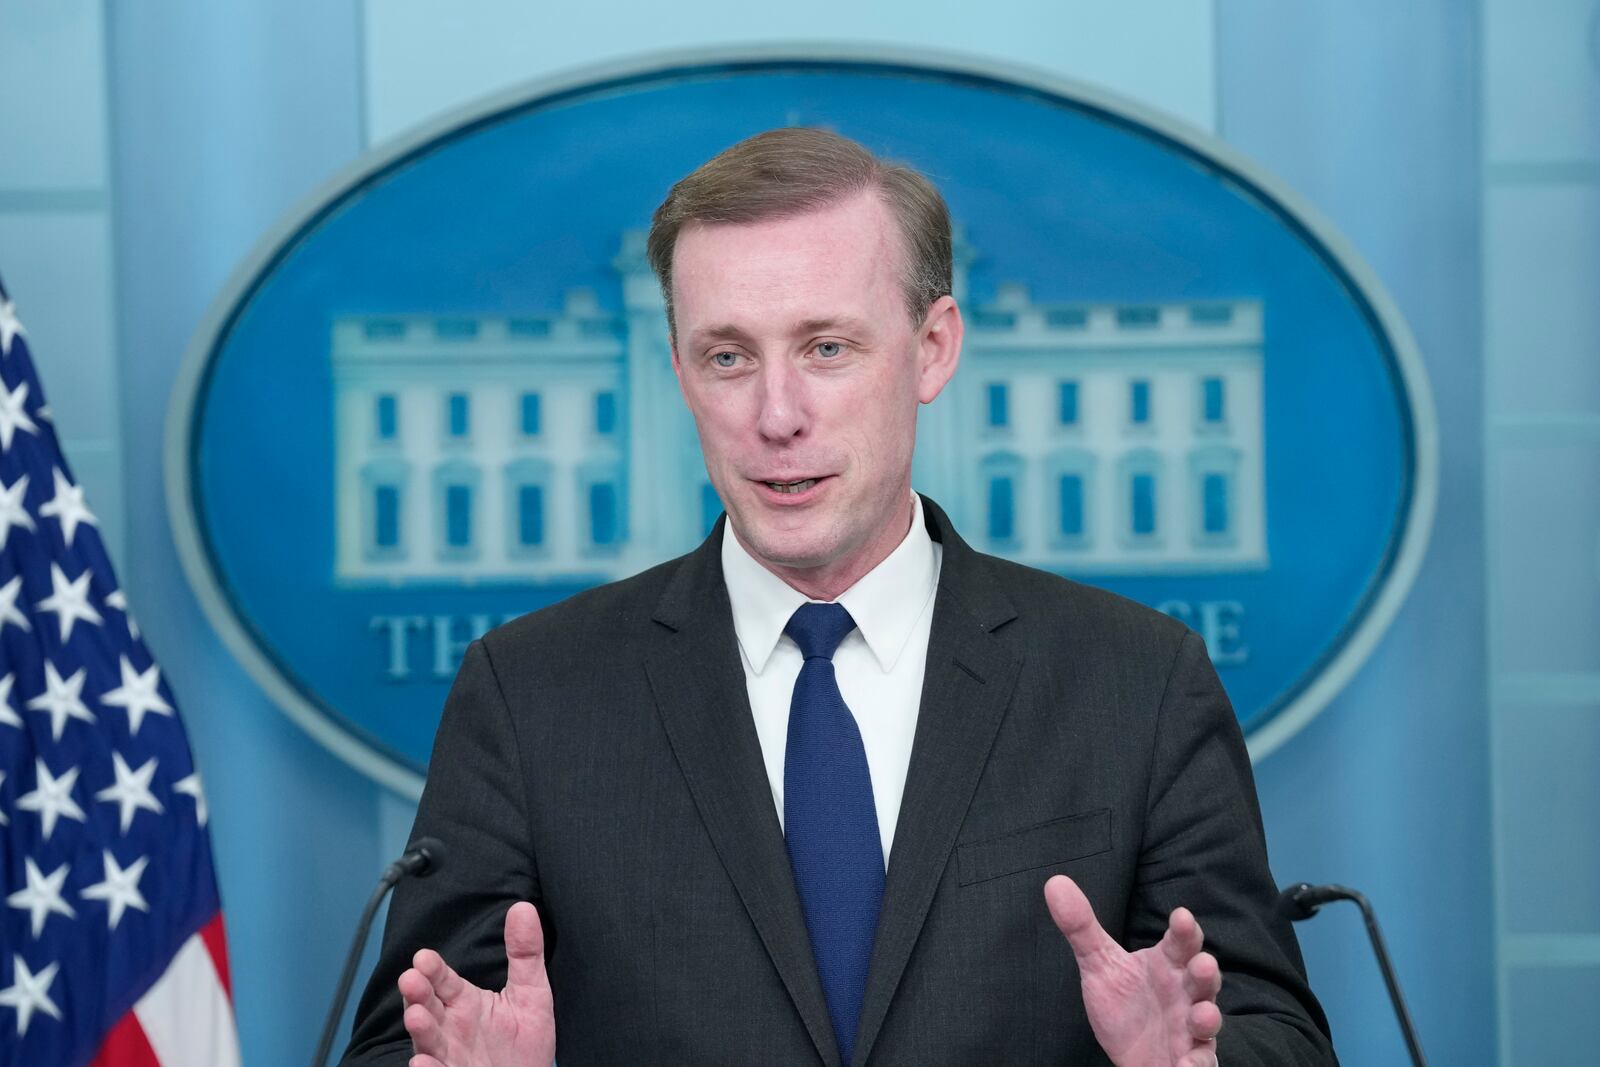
(879, 664)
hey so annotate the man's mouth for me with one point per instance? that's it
(792, 487)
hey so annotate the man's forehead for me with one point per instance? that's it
(861, 219)
(837, 256)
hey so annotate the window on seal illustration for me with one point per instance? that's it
(386, 416)
(456, 500)
(605, 413)
(530, 516)
(1140, 317)
(530, 414)
(1067, 403)
(1069, 474)
(383, 498)
(603, 525)
(1211, 314)
(1070, 489)
(997, 410)
(1214, 504)
(458, 416)
(1140, 489)
(602, 505)
(1139, 402)
(1213, 478)
(386, 516)
(527, 499)
(1142, 501)
(458, 516)
(1002, 480)
(1213, 402)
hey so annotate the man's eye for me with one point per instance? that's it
(829, 349)
(726, 359)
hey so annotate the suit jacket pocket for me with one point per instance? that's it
(1057, 841)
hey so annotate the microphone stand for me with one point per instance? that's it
(1302, 901)
(421, 860)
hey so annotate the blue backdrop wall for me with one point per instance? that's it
(1398, 122)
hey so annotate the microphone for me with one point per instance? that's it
(1302, 900)
(425, 856)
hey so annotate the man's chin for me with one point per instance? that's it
(790, 557)
(786, 549)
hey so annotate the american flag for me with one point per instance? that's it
(111, 941)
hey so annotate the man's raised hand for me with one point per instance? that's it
(1156, 1007)
(453, 1023)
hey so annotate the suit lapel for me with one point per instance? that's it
(966, 689)
(700, 693)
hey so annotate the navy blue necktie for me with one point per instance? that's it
(830, 822)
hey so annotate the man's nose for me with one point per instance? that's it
(783, 406)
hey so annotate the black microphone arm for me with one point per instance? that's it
(1302, 901)
(425, 856)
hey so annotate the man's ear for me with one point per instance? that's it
(938, 348)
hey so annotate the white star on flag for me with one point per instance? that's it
(119, 600)
(8, 605)
(67, 507)
(69, 600)
(13, 414)
(13, 511)
(29, 992)
(8, 715)
(52, 797)
(72, 791)
(120, 890)
(131, 789)
(61, 699)
(137, 694)
(42, 895)
(191, 786)
(10, 325)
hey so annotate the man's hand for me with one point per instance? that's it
(1153, 1008)
(453, 1023)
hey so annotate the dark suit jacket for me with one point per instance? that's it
(599, 759)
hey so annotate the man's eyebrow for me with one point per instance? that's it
(843, 325)
(722, 332)
(804, 328)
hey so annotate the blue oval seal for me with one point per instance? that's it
(440, 394)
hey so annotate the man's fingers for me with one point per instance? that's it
(427, 1036)
(1183, 937)
(447, 984)
(1074, 917)
(415, 989)
(1199, 1058)
(423, 1061)
(1202, 979)
(525, 947)
(1205, 1021)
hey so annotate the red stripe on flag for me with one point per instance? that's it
(216, 940)
(126, 1046)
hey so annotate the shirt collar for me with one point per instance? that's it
(885, 603)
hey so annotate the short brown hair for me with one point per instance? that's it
(788, 172)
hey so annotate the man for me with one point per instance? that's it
(832, 788)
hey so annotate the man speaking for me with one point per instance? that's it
(831, 788)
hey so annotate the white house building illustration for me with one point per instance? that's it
(1098, 438)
